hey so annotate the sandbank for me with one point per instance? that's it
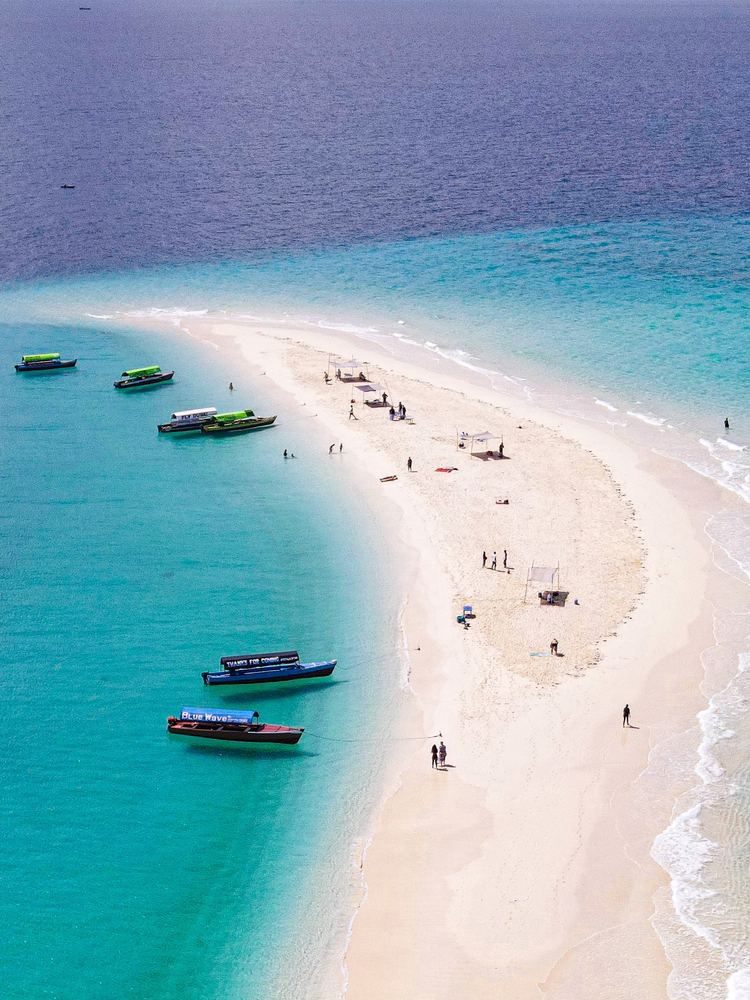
(522, 868)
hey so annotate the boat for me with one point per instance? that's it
(43, 363)
(187, 420)
(237, 726)
(231, 423)
(137, 377)
(69, 187)
(262, 668)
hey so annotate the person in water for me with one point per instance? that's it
(726, 423)
(231, 386)
(434, 755)
(626, 716)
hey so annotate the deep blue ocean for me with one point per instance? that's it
(553, 195)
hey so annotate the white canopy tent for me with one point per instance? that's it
(548, 576)
(463, 438)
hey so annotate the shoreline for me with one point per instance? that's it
(479, 943)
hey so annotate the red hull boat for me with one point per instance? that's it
(238, 727)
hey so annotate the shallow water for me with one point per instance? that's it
(142, 865)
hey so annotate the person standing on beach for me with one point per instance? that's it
(408, 464)
(505, 558)
(442, 754)
(434, 755)
(341, 447)
(553, 648)
(231, 386)
(484, 560)
(726, 423)
(494, 560)
(626, 716)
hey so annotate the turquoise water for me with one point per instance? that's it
(641, 325)
(137, 865)
(655, 311)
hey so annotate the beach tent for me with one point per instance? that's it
(464, 438)
(370, 387)
(546, 576)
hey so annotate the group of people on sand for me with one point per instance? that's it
(397, 413)
(330, 450)
(439, 755)
(493, 564)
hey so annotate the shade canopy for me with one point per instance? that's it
(369, 387)
(245, 717)
(542, 574)
(482, 436)
(348, 364)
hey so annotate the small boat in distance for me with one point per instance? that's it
(231, 423)
(69, 187)
(237, 726)
(187, 420)
(43, 363)
(137, 377)
(262, 668)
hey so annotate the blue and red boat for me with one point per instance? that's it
(234, 726)
(264, 668)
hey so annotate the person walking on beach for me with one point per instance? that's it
(442, 754)
(626, 716)
(351, 413)
(434, 755)
(494, 560)
(505, 558)
(553, 648)
(330, 450)
(484, 560)
(231, 386)
(341, 447)
(408, 464)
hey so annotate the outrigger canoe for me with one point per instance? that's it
(137, 377)
(235, 726)
(43, 363)
(265, 668)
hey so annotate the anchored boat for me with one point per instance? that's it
(239, 727)
(262, 668)
(231, 423)
(43, 363)
(138, 377)
(188, 420)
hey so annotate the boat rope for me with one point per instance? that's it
(393, 739)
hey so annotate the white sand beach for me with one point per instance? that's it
(522, 868)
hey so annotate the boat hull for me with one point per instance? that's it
(239, 427)
(235, 733)
(269, 675)
(139, 383)
(45, 366)
(182, 429)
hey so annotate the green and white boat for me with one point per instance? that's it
(43, 363)
(233, 423)
(137, 377)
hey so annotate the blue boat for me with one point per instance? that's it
(264, 668)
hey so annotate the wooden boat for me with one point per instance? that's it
(187, 420)
(264, 668)
(43, 363)
(137, 377)
(236, 726)
(232, 423)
